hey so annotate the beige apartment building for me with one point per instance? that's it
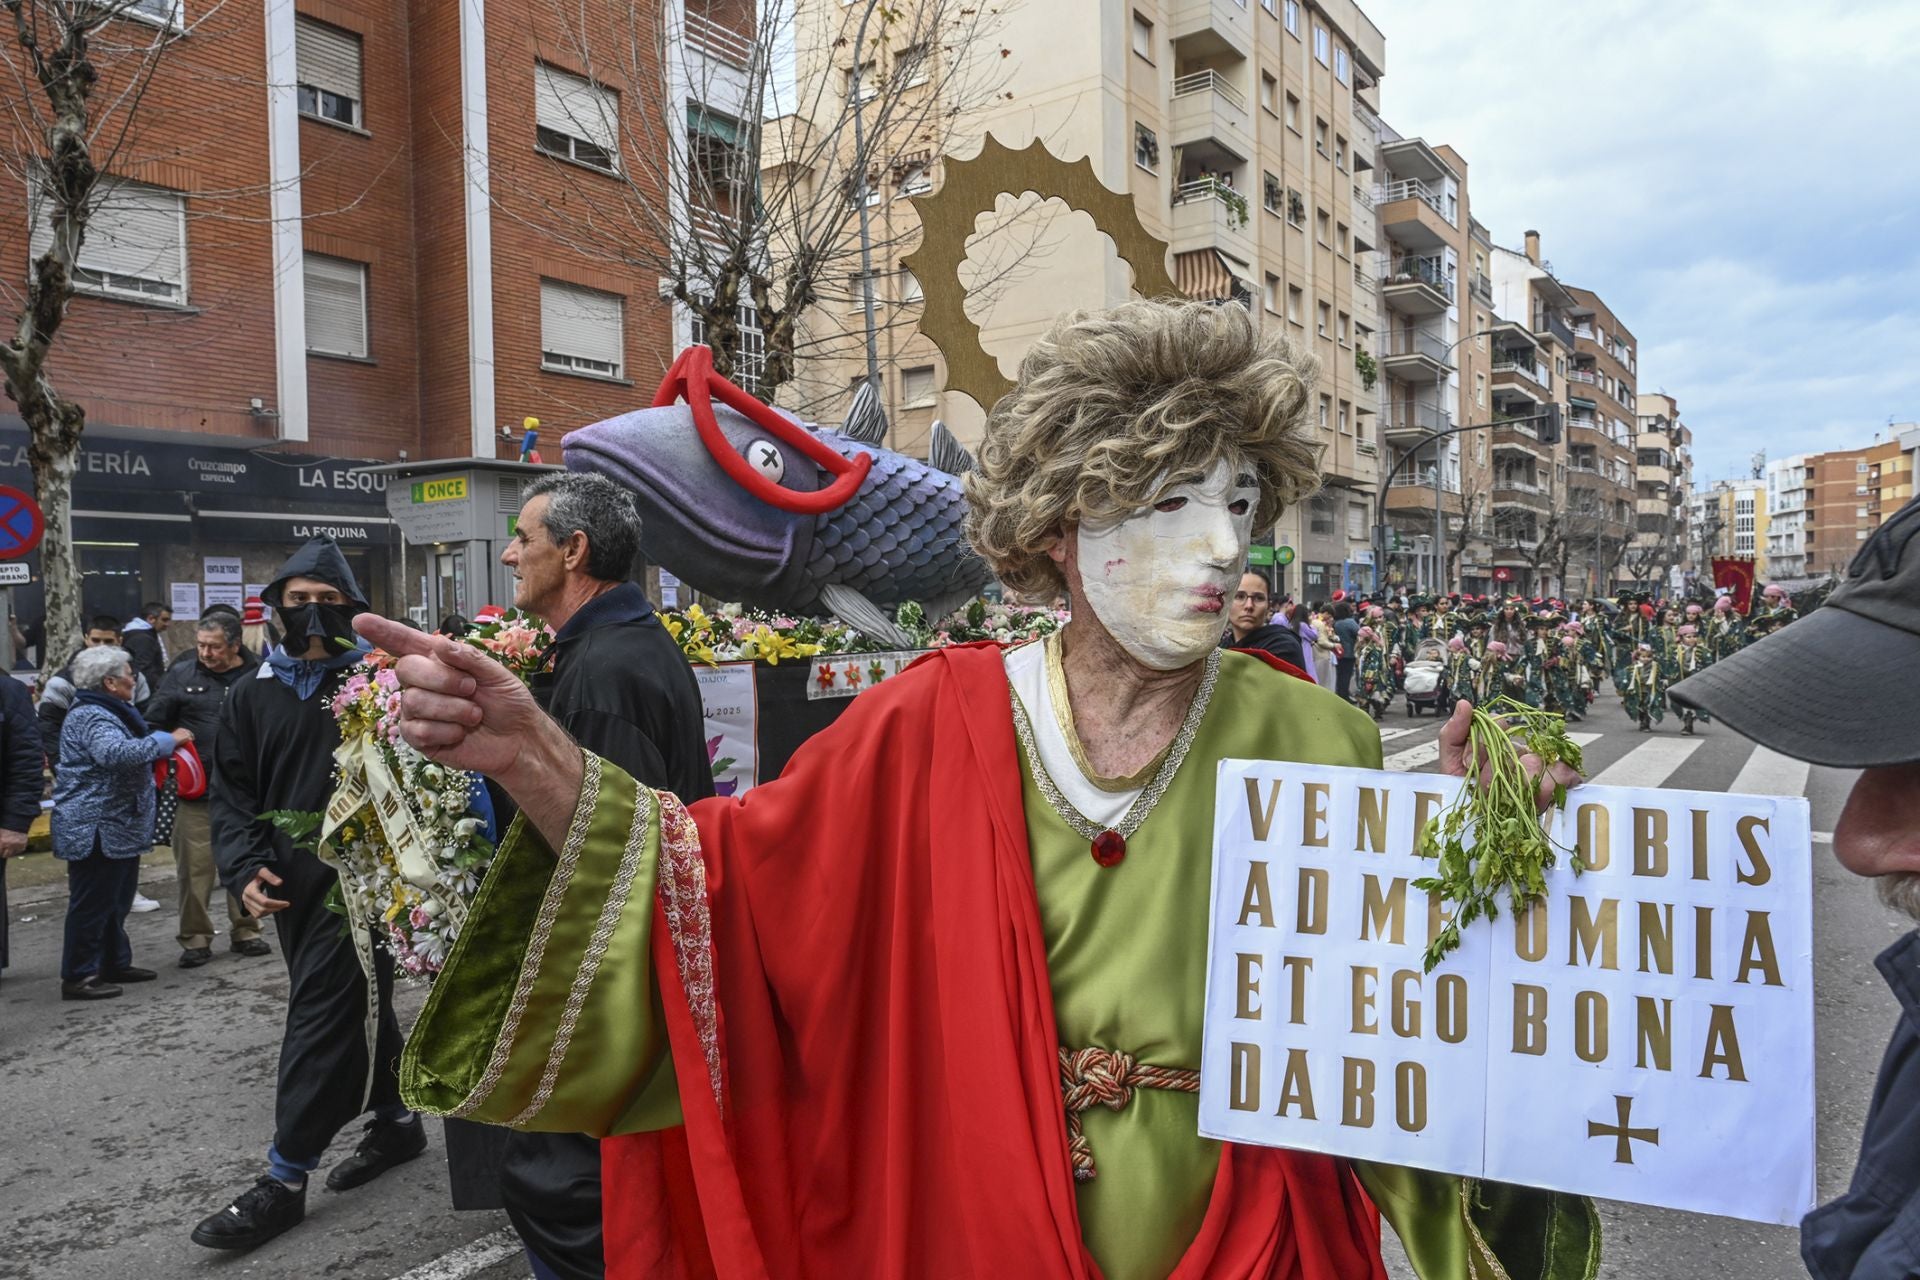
(1247, 132)
(1850, 492)
(1663, 477)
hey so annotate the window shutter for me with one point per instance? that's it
(567, 104)
(583, 323)
(135, 230)
(336, 306)
(327, 57)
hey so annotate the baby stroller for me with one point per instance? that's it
(1426, 680)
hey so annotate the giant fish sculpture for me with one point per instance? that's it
(744, 502)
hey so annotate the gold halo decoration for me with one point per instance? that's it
(947, 218)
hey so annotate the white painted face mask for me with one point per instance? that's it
(1159, 579)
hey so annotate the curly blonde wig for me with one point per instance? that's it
(1114, 407)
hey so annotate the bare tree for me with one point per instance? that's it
(804, 122)
(1472, 504)
(77, 92)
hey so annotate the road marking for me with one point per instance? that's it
(1388, 735)
(1649, 764)
(1427, 752)
(469, 1258)
(1768, 773)
(1823, 837)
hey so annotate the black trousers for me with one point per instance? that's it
(550, 1184)
(99, 894)
(323, 1054)
(1343, 677)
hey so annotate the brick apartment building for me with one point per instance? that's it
(347, 232)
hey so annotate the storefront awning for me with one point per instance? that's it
(1211, 276)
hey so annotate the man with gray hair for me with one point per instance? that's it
(619, 684)
(190, 697)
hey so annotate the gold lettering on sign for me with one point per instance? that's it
(1594, 932)
(1656, 937)
(1530, 931)
(1756, 951)
(1298, 967)
(1259, 815)
(1356, 1094)
(1593, 826)
(1450, 1008)
(1653, 1022)
(1313, 814)
(1256, 904)
(1363, 1022)
(1649, 842)
(1372, 831)
(1243, 1078)
(1529, 1019)
(1703, 942)
(1296, 1089)
(1247, 987)
(1699, 844)
(1723, 1045)
(1312, 910)
(1424, 805)
(1590, 1026)
(1437, 913)
(1410, 1101)
(1761, 871)
(1404, 1010)
(1383, 914)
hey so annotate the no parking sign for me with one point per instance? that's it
(21, 523)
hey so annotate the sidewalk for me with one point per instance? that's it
(34, 879)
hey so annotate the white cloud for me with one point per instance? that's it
(1733, 178)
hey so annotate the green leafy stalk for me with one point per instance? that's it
(300, 826)
(1492, 836)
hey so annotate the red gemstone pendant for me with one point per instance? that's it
(1109, 847)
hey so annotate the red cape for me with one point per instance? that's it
(881, 1032)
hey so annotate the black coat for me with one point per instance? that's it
(1282, 642)
(270, 751)
(191, 698)
(143, 646)
(20, 781)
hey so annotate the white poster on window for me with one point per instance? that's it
(669, 591)
(185, 599)
(1644, 1033)
(231, 594)
(222, 569)
(727, 695)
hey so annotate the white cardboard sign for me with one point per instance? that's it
(1644, 1034)
(730, 701)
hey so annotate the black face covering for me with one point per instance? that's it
(333, 623)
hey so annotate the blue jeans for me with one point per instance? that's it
(99, 895)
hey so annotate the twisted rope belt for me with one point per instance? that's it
(1107, 1078)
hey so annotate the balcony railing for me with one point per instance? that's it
(1201, 190)
(1418, 344)
(1423, 480)
(1361, 198)
(1405, 419)
(1408, 189)
(1482, 287)
(727, 45)
(1585, 331)
(1526, 369)
(1365, 117)
(1587, 376)
(1428, 271)
(1209, 81)
(1552, 322)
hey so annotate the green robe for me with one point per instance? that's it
(1126, 955)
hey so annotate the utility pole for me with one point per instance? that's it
(861, 194)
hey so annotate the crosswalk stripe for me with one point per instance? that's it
(1388, 735)
(1427, 752)
(1649, 764)
(1768, 773)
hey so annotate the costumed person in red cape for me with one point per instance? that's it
(929, 1005)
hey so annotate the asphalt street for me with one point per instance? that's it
(128, 1120)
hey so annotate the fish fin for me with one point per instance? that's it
(866, 420)
(864, 616)
(946, 453)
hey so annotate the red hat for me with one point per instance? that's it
(1646, 611)
(1339, 595)
(489, 613)
(255, 612)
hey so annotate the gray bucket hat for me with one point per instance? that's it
(1841, 686)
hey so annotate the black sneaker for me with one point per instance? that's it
(251, 947)
(132, 973)
(88, 988)
(387, 1144)
(194, 957)
(262, 1212)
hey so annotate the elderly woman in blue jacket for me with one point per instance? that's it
(103, 802)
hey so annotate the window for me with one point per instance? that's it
(909, 287)
(1296, 303)
(1269, 5)
(575, 119)
(580, 330)
(1320, 514)
(1143, 37)
(1340, 238)
(1326, 412)
(1340, 152)
(1340, 65)
(164, 12)
(1271, 193)
(1269, 93)
(1323, 226)
(1293, 21)
(915, 180)
(1356, 519)
(1146, 148)
(1271, 293)
(1296, 208)
(910, 66)
(1320, 44)
(1293, 113)
(136, 245)
(750, 352)
(336, 306)
(866, 87)
(1323, 321)
(856, 293)
(1320, 136)
(1479, 390)
(1345, 329)
(327, 65)
(916, 388)
(1345, 410)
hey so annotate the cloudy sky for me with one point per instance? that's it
(1739, 179)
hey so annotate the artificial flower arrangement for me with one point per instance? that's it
(734, 634)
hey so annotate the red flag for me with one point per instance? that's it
(1735, 573)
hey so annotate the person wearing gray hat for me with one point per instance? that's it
(1786, 693)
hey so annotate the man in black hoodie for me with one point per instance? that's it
(1249, 614)
(275, 751)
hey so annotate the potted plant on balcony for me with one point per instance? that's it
(1367, 367)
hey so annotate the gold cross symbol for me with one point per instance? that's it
(1622, 1131)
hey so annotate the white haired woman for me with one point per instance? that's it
(103, 801)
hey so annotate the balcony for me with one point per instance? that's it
(1362, 198)
(1413, 495)
(1516, 436)
(1405, 425)
(1416, 286)
(1416, 357)
(1411, 212)
(1552, 324)
(1587, 376)
(1514, 369)
(1525, 494)
(716, 41)
(1209, 81)
(1208, 213)
(1482, 287)
(1208, 120)
(1208, 28)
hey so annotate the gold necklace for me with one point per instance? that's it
(1053, 649)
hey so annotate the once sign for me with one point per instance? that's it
(1645, 1033)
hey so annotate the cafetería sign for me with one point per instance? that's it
(1644, 1033)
